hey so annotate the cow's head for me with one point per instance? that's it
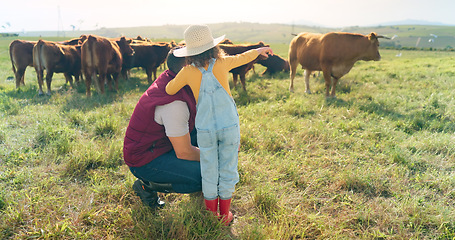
(173, 44)
(372, 52)
(125, 47)
(83, 37)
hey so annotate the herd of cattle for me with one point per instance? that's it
(106, 59)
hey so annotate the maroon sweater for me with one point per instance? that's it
(145, 139)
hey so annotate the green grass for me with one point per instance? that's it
(376, 163)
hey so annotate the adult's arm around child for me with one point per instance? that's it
(183, 148)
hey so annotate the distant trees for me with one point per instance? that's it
(9, 34)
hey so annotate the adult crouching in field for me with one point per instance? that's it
(160, 144)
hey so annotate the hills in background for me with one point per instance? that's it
(390, 23)
(436, 36)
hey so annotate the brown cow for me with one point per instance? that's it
(21, 55)
(56, 58)
(333, 53)
(241, 71)
(74, 41)
(274, 63)
(226, 41)
(147, 56)
(103, 57)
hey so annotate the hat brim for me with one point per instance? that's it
(186, 52)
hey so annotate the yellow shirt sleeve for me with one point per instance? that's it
(191, 75)
(230, 62)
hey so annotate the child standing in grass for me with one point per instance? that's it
(217, 120)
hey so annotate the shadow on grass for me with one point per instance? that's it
(75, 98)
(81, 102)
(338, 102)
(250, 96)
(29, 93)
(180, 219)
(243, 98)
(277, 75)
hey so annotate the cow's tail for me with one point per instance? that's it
(11, 57)
(91, 66)
(90, 53)
(37, 58)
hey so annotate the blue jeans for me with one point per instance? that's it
(184, 175)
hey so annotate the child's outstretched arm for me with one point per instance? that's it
(234, 61)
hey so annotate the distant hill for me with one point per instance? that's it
(412, 22)
(421, 36)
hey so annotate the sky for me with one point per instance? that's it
(64, 15)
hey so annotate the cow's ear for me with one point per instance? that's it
(372, 36)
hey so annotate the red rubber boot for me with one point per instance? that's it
(212, 205)
(225, 214)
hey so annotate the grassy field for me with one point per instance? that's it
(376, 163)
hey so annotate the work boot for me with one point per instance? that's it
(225, 213)
(212, 206)
(147, 195)
(158, 187)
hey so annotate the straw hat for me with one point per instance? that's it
(198, 39)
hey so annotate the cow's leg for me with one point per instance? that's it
(109, 82)
(96, 81)
(103, 79)
(19, 77)
(49, 75)
(242, 80)
(81, 77)
(234, 79)
(307, 81)
(126, 74)
(39, 75)
(69, 79)
(148, 71)
(328, 80)
(101, 82)
(334, 85)
(115, 77)
(23, 78)
(154, 74)
(293, 65)
(76, 78)
(88, 83)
